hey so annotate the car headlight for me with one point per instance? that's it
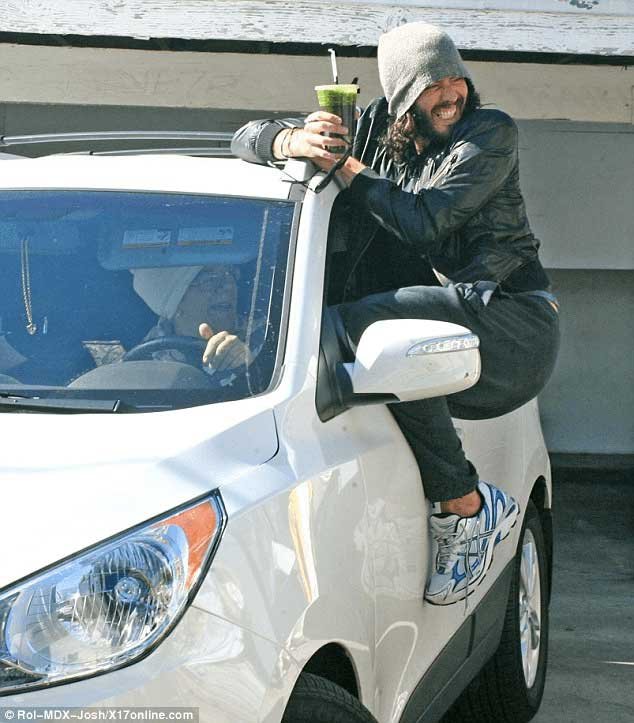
(111, 604)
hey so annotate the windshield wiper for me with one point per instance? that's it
(14, 402)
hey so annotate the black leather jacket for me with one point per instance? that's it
(459, 205)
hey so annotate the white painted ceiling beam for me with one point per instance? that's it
(602, 7)
(603, 27)
(98, 76)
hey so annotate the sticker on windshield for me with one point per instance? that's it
(146, 238)
(206, 236)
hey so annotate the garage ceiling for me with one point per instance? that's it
(595, 27)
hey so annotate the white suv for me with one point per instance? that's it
(252, 544)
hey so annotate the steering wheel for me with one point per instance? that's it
(189, 346)
(192, 349)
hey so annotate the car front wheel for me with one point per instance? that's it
(317, 700)
(511, 685)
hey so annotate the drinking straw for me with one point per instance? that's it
(333, 62)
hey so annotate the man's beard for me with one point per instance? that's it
(399, 143)
(424, 125)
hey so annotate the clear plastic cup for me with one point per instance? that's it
(342, 101)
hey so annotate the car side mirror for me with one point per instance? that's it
(408, 359)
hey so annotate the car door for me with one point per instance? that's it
(410, 634)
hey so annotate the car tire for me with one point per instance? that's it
(317, 700)
(510, 686)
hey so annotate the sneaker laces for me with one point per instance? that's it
(448, 544)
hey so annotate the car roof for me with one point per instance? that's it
(153, 173)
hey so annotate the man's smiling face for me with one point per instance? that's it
(439, 107)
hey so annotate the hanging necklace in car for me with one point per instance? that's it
(31, 327)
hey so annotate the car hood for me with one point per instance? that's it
(70, 481)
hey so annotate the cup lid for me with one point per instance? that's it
(344, 87)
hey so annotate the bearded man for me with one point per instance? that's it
(433, 184)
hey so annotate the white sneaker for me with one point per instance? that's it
(466, 545)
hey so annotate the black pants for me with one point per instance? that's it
(519, 340)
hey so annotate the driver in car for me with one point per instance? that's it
(196, 301)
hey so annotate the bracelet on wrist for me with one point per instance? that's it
(286, 143)
(290, 140)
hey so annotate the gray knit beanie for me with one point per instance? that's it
(411, 58)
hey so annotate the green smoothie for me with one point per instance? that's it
(342, 101)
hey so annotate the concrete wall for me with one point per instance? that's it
(85, 76)
(579, 188)
(588, 406)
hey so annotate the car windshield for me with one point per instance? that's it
(120, 296)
